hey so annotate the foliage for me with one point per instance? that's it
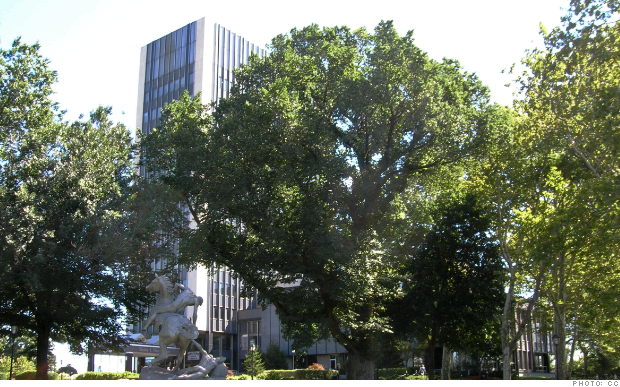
(300, 176)
(571, 101)
(271, 375)
(301, 374)
(107, 375)
(68, 369)
(254, 363)
(32, 375)
(20, 364)
(389, 351)
(453, 284)
(274, 358)
(239, 377)
(315, 366)
(67, 204)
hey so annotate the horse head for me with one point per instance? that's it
(161, 284)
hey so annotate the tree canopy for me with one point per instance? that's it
(61, 188)
(299, 176)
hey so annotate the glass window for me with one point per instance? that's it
(216, 287)
(182, 83)
(221, 312)
(165, 88)
(179, 38)
(146, 117)
(216, 312)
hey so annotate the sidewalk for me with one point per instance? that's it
(537, 374)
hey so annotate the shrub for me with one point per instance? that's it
(240, 377)
(229, 374)
(315, 366)
(107, 376)
(26, 375)
(271, 375)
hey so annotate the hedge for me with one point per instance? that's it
(299, 374)
(31, 375)
(107, 376)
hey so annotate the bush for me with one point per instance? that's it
(107, 376)
(240, 377)
(299, 374)
(315, 366)
(26, 375)
(31, 375)
(271, 375)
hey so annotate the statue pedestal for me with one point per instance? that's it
(156, 373)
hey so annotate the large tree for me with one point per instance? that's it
(300, 177)
(61, 186)
(571, 104)
(454, 281)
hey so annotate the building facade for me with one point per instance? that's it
(201, 57)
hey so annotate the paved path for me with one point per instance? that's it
(537, 374)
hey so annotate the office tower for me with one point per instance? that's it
(198, 58)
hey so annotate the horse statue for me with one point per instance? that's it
(165, 302)
(174, 328)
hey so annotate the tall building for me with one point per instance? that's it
(198, 58)
(201, 58)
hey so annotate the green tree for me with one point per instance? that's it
(254, 363)
(299, 180)
(68, 369)
(274, 358)
(20, 364)
(61, 186)
(571, 99)
(454, 282)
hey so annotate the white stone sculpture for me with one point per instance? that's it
(168, 316)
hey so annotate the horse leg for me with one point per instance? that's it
(183, 344)
(163, 354)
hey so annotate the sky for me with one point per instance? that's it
(95, 45)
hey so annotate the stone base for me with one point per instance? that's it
(156, 373)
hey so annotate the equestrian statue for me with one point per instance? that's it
(168, 317)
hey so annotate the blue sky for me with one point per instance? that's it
(95, 45)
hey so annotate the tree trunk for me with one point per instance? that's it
(571, 359)
(446, 363)
(585, 363)
(359, 368)
(430, 355)
(43, 346)
(559, 317)
(559, 327)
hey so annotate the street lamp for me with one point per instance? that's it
(252, 347)
(293, 359)
(556, 341)
(13, 331)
